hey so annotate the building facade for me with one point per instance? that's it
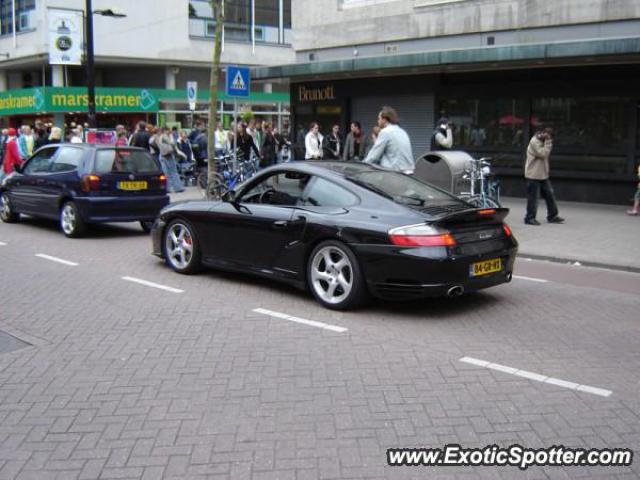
(143, 60)
(498, 69)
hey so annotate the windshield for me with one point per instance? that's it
(402, 188)
(125, 161)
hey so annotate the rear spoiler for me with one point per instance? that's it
(483, 215)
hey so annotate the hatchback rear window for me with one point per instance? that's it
(125, 161)
(401, 188)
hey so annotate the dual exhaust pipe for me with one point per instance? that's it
(458, 290)
(455, 291)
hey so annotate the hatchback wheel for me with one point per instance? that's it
(334, 276)
(181, 249)
(7, 214)
(71, 222)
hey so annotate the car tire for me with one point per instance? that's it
(334, 276)
(71, 222)
(180, 247)
(146, 226)
(7, 213)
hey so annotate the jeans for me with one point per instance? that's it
(170, 169)
(535, 188)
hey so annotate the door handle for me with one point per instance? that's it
(280, 224)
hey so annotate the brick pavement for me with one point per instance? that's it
(128, 382)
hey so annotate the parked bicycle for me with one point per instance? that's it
(229, 174)
(484, 189)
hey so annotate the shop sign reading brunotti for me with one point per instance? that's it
(315, 94)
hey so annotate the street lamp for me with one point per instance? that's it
(91, 82)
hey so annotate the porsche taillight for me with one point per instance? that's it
(421, 236)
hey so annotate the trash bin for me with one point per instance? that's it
(444, 169)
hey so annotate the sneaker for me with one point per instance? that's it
(533, 221)
(556, 219)
(632, 212)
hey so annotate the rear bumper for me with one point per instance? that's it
(395, 273)
(121, 209)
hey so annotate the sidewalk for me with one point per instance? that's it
(594, 235)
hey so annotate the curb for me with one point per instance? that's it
(606, 266)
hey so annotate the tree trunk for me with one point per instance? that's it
(217, 7)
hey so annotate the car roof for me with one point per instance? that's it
(340, 169)
(92, 146)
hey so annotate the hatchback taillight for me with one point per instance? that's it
(421, 236)
(507, 230)
(163, 181)
(90, 183)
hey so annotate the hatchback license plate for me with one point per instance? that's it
(132, 185)
(484, 268)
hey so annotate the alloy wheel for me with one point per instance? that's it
(68, 219)
(332, 274)
(179, 246)
(5, 209)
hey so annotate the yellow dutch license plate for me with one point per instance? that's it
(132, 185)
(485, 268)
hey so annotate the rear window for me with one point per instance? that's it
(401, 188)
(124, 161)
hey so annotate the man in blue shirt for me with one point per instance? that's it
(392, 149)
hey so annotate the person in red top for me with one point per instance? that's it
(12, 156)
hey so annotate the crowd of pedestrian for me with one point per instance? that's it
(386, 144)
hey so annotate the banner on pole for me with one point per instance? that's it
(65, 37)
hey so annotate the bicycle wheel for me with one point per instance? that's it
(217, 188)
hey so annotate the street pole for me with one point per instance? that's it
(91, 86)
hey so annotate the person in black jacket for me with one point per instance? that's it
(141, 137)
(269, 147)
(332, 144)
(246, 143)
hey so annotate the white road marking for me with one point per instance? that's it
(531, 279)
(2, 244)
(537, 377)
(153, 285)
(57, 260)
(303, 321)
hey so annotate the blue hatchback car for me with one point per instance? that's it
(80, 184)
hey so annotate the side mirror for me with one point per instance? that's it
(229, 196)
(18, 168)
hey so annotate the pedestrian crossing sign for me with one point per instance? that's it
(238, 81)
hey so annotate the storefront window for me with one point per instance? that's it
(585, 124)
(486, 123)
(590, 134)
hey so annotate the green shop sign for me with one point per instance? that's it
(56, 99)
(124, 100)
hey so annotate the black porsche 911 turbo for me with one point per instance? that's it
(344, 231)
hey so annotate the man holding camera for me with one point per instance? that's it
(536, 172)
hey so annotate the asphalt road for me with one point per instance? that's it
(183, 378)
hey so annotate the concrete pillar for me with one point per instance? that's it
(57, 75)
(170, 74)
(4, 81)
(57, 80)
